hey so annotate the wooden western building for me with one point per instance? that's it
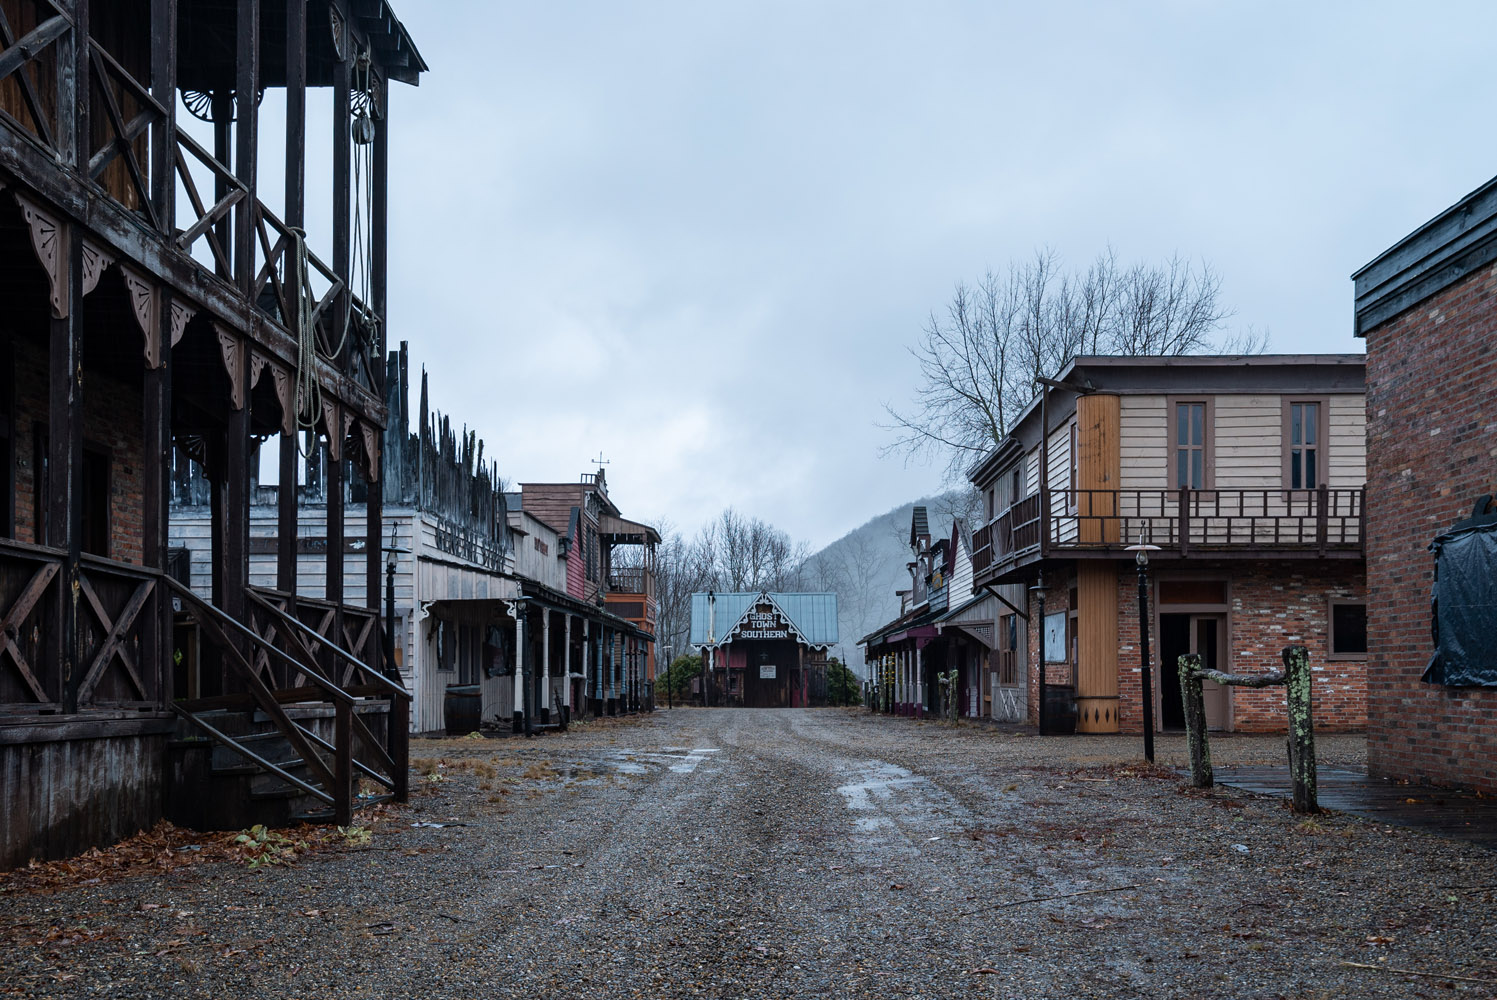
(158, 309)
(486, 632)
(611, 566)
(1246, 472)
(1426, 308)
(943, 627)
(763, 649)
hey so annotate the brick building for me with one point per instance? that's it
(1427, 308)
(1247, 472)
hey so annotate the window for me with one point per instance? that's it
(1016, 490)
(1304, 443)
(1348, 630)
(1190, 444)
(1008, 651)
(1072, 461)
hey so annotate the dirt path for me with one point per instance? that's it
(806, 853)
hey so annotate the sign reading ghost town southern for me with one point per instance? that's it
(764, 625)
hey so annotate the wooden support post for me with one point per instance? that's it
(342, 182)
(1298, 687)
(156, 633)
(296, 185)
(1183, 521)
(545, 678)
(335, 556)
(400, 746)
(164, 133)
(1194, 702)
(566, 671)
(65, 461)
(518, 713)
(236, 491)
(1322, 516)
(246, 139)
(343, 762)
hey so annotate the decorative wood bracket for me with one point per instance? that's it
(145, 300)
(95, 260)
(232, 350)
(285, 392)
(371, 449)
(181, 315)
(48, 237)
(332, 423)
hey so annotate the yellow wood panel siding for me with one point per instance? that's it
(1097, 423)
(1348, 441)
(1097, 647)
(1248, 442)
(1144, 442)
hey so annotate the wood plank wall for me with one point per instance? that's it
(1097, 646)
(1098, 426)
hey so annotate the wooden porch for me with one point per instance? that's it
(1322, 523)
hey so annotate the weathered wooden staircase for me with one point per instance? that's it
(304, 725)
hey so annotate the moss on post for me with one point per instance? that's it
(1194, 703)
(1297, 685)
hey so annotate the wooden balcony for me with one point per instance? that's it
(1222, 523)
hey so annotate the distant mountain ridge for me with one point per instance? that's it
(869, 564)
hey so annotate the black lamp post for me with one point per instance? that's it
(392, 558)
(1141, 557)
(1038, 590)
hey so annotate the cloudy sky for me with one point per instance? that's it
(698, 237)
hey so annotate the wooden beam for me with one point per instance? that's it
(65, 460)
(156, 633)
(246, 139)
(296, 185)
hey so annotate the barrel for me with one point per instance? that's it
(461, 708)
(1060, 708)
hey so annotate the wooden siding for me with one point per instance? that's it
(1348, 441)
(1098, 418)
(1097, 647)
(1248, 442)
(1144, 442)
(1247, 438)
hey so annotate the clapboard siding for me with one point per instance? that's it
(1348, 441)
(1144, 442)
(1247, 442)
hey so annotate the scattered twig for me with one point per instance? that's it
(460, 920)
(1411, 972)
(1043, 899)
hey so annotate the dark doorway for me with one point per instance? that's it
(1184, 633)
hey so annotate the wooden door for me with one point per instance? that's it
(1208, 639)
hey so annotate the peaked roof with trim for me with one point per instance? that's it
(813, 615)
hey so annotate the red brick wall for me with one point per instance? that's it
(1269, 607)
(1431, 450)
(1058, 584)
(113, 417)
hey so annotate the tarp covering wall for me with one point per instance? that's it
(1465, 605)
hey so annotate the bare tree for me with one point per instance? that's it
(980, 365)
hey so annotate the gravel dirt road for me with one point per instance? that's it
(794, 853)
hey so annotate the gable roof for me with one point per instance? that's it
(812, 615)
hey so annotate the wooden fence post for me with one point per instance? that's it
(343, 762)
(1297, 685)
(1194, 703)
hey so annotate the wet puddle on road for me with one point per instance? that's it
(681, 760)
(888, 799)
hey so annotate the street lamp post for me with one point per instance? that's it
(707, 664)
(669, 700)
(1038, 590)
(1141, 557)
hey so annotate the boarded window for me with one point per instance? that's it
(1348, 629)
(1008, 651)
(1192, 592)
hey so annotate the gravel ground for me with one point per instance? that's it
(795, 853)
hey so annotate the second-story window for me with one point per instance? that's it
(1190, 448)
(1304, 445)
(1016, 491)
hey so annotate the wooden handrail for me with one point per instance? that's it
(398, 690)
(244, 751)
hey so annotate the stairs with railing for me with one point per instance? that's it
(304, 726)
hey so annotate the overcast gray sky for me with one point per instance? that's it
(699, 236)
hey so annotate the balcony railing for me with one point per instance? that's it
(632, 581)
(1320, 521)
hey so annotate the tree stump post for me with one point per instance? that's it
(1297, 685)
(1194, 703)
